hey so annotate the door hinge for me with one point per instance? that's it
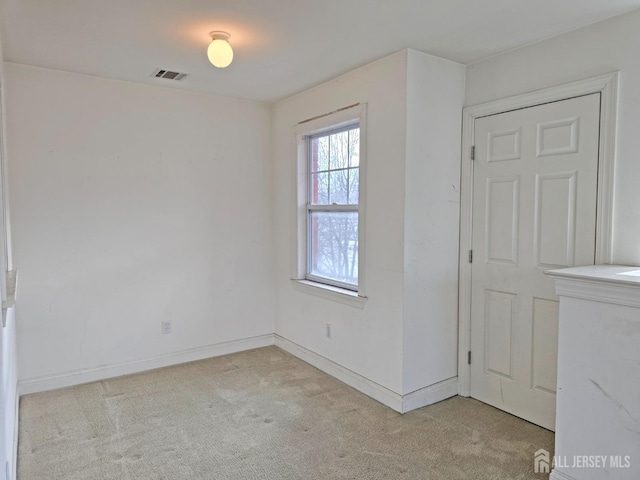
(469, 357)
(470, 256)
(473, 152)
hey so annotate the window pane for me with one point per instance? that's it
(339, 150)
(338, 187)
(354, 147)
(319, 188)
(354, 185)
(333, 244)
(319, 154)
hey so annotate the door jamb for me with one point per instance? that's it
(607, 86)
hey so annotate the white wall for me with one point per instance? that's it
(8, 355)
(435, 92)
(132, 205)
(405, 337)
(601, 48)
(367, 341)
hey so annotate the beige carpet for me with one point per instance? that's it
(262, 414)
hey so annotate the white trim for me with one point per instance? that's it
(607, 86)
(429, 395)
(332, 208)
(4, 200)
(85, 375)
(16, 430)
(341, 295)
(557, 475)
(370, 388)
(331, 121)
(598, 291)
(402, 404)
(10, 300)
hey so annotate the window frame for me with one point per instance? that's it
(327, 207)
(342, 119)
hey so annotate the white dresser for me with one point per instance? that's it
(598, 400)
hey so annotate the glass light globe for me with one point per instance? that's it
(220, 53)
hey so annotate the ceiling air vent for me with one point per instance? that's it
(168, 74)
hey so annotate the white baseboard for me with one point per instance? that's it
(399, 403)
(372, 389)
(77, 377)
(556, 475)
(429, 395)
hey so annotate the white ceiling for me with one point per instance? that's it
(281, 46)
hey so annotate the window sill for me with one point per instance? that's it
(329, 292)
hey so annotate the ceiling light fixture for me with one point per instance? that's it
(220, 52)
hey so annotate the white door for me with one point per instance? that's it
(534, 209)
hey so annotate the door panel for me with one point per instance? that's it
(498, 333)
(501, 225)
(555, 220)
(535, 190)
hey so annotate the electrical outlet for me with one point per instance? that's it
(328, 330)
(166, 326)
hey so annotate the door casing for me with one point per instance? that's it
(607, 85)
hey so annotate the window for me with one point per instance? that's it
(332, 206)
(330, 194)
